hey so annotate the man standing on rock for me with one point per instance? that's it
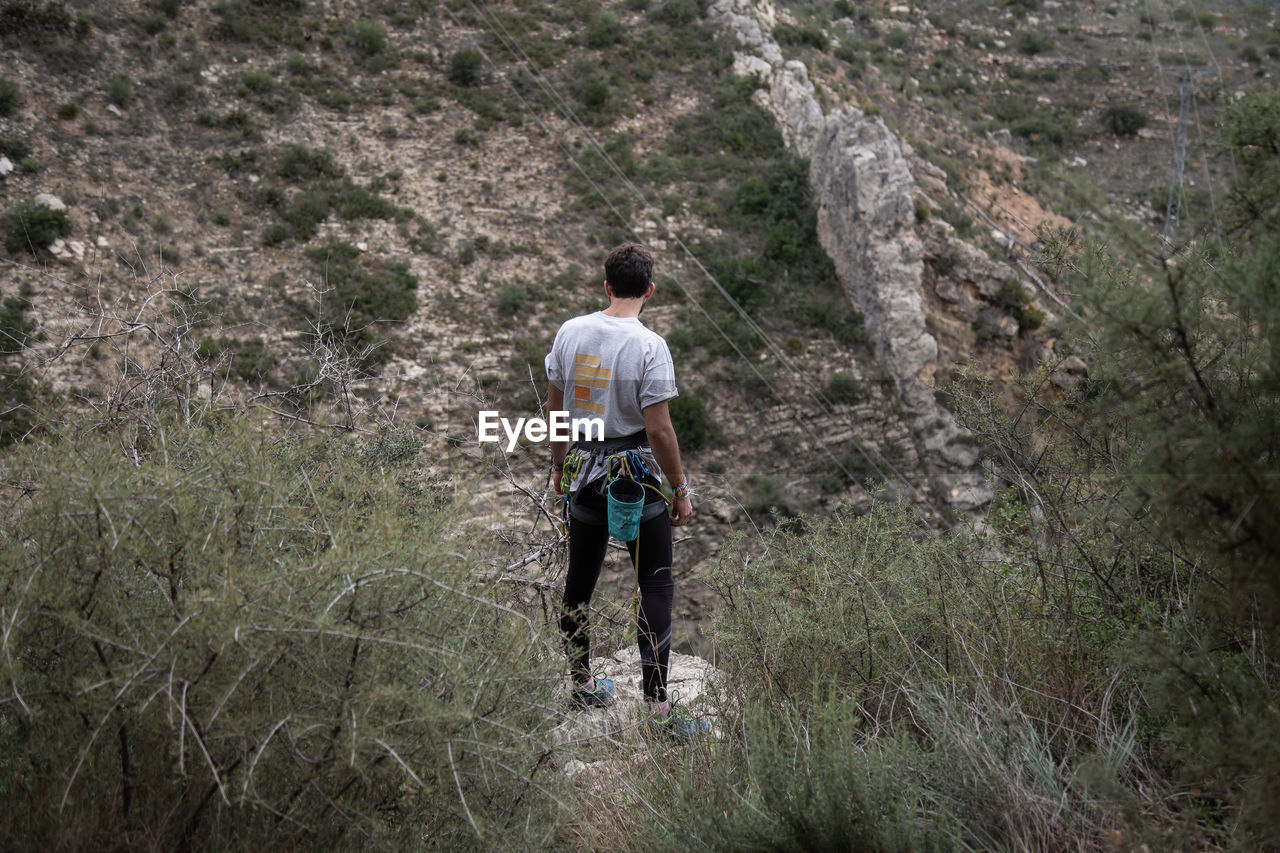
(613, 368)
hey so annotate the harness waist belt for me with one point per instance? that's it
(609, 445)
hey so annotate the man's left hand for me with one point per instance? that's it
(681, 511)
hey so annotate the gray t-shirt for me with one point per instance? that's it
(611, 368)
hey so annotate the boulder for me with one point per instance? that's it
(6, 165)
(50, 201)
(67, 251)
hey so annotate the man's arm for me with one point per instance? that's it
(666, 449)
(555, 403)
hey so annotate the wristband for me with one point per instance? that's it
(681, 491)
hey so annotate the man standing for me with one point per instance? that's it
(607, 365)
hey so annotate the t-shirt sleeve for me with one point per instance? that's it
(659, 381)
(555, 364)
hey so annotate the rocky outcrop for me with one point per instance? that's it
(866, 221)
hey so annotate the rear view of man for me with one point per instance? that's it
(607, 365)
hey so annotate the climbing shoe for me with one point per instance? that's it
(676, 723)
(601, 695)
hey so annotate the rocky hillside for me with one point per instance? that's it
(377, 214)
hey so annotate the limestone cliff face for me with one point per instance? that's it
(865, 191)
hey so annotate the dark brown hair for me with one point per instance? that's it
(629, 270)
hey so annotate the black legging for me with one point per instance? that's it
(587, 544)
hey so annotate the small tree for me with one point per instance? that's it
(464, 67)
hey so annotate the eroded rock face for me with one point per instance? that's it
(866, 221)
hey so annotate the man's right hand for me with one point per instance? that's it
(681, 511)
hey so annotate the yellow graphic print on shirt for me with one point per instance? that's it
(588, 374)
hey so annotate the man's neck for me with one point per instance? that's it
(624, 307)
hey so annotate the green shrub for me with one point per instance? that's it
(844, 387)
(120, 90)
(14, 148)
(827, 788)
(897, 39)
(1092, 73)
(298, 65)
(10, 96)
(353, 201)
(511, 299)
(807, 35)
(464, 67)
(69, 111)
(32, 227)
(677, 13)
(224, 639)
(35, 21)
(693, 425)
(604, 29)
(257, 81)
(362, 296)
(1015, 302)
(153, 23)
(1037, 125)
(1040, 74)
(267, 22)
(593, 91)
(249, 360)
(368, 38)
(846, 470)
(274, 233)
(467, 253)
(734, 124)
(1124, 119)
(305, 210)
(168, 8)
(1033, 42)
(765, 499)
(300, 162)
